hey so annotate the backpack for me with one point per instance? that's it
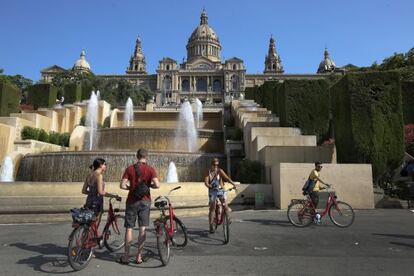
(142, 188)
(308, 186)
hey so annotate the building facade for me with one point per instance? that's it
(203, 74)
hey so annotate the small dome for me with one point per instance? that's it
(81, 63)
(327, 64)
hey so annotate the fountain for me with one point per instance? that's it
(92, 119)
(6, 172)
(186, 129)
(199, 112)
(172, 176)
(98, 95)
(129, 113)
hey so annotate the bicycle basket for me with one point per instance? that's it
(82, 215)
(161, 203)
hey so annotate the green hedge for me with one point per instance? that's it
(249, 172)
(86, 90)
(407, 92)
(9, 99)
(42, 95)
(249, 93)
(73, 93)
(38, 134)
(368, 122)
(305, 104)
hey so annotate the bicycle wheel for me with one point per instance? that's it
(299, 214)
(216, 218)
(179, 237)
(163, 244)
(226, 228)
(341, 214)
(80, 247)
(114, 234)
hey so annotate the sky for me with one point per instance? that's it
(38, 34)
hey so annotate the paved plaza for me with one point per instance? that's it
(262, 242)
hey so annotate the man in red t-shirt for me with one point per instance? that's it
(137, 207)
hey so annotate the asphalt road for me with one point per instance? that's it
(380, 242)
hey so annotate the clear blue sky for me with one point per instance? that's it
(37, 34)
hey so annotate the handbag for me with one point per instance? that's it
(142, 188)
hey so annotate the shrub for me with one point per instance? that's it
(72, 92)
(30, 133)
(237, 134)
(9, 99)
(64, 139)
(107, 122)
(249, 171)
(43, 136)
(54, 138)
(367, 118)
(42, 95)
(305, 104)
(82, 121)
(407, 93)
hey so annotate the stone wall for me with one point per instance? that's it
(352, 182)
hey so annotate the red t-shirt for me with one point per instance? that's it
(147, 174)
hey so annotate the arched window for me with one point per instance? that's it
(234, 66)
(167, 83)
(216, 85)
(274, 66)
(201, 84)
(185, 86)
(234, 82)
(168, 67)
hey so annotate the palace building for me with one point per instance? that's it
(203, 74)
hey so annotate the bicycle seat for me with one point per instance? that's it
(161, 203)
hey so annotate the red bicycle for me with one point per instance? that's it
(169, 229)
(301, 212)
(85, 236)
(222, 218)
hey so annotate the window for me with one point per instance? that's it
(185, 86)
(168, 67)
(234, 66)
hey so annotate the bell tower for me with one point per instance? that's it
(137, 64)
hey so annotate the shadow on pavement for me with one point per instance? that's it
(400, 236)
(53, 258)
(282, 223)
(202, 236)
(403, 244)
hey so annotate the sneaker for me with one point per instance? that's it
(211, 229)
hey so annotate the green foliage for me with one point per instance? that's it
(43, 136)
(82, 121)
(9, 98)
(42, 95)
(269, 91)
(305, 104)
(368, 123)
(249, 171)
(30, 133)
(407, 93)
(237, 134)
(72, 93)
(249, 93)
(64, 139)
(54, 138)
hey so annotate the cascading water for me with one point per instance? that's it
(92, 119)
(172, 176)
(129, 113)
(186, 129)
(98, 95)
(6, 172)
(199, 112)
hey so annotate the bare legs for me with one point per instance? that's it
(128, 240)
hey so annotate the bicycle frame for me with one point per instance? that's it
(222, 205)
(170, 228)
(331, 201)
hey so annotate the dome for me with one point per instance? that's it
(327, 64)
(81, 63)
(204, 31)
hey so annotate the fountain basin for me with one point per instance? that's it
(209, 141)
(74, 166)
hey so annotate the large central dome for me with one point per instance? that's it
(204, 42)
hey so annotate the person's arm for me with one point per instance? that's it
(155, 184)
(226, 178)
(101, 190)
(85, 187)
(206, 182)
(124, 185)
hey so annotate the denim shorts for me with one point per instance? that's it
(213, 194)
(140, 210)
